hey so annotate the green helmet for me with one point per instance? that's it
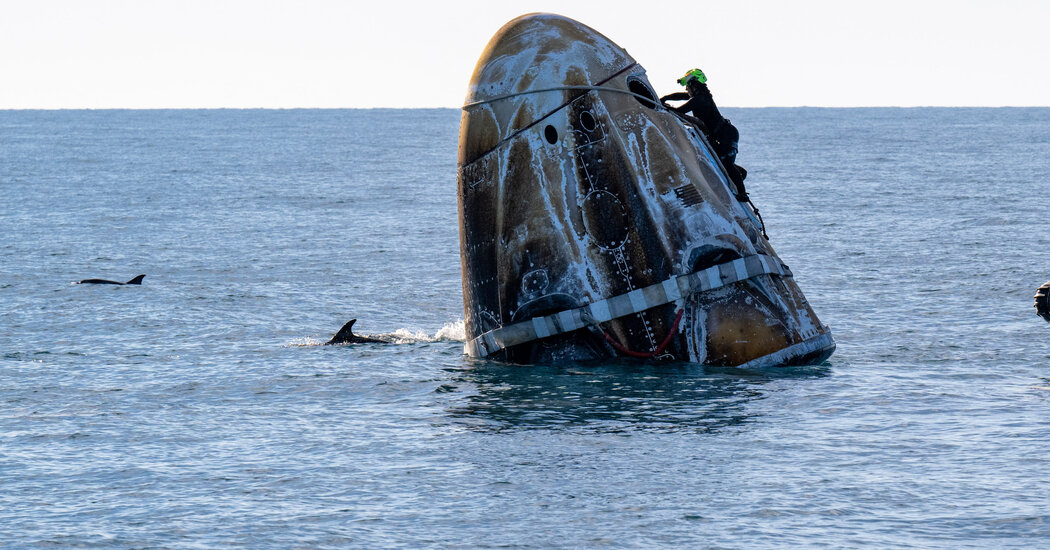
(695, 73)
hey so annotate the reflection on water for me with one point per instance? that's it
(612, 397)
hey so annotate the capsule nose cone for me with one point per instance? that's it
(539, 51)
(545, 49)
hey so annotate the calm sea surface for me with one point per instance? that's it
(199, 411)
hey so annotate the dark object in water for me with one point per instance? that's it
(135, 281)
(1042, 301)
(346, 336)
(595, 223)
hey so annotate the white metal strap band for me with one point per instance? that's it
(636, 301)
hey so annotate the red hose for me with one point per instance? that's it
(647, 355)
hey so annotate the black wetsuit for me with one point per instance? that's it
(723, 135)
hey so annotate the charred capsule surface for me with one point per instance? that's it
(580, 197)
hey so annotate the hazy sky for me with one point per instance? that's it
(327, 53)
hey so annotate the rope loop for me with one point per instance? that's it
(646, 355)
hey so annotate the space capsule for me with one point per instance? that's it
(595, 223)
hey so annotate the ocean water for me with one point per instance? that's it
(199, 410)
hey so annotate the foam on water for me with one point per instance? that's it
(451, 332)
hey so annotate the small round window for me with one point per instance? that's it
(551, 134)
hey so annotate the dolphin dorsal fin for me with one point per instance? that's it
(136, 280)
(345, 334)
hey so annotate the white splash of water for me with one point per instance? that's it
(453, 331)
(305, 342)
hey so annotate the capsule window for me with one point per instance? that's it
(588, 122)
(551, 134)
(639, 88)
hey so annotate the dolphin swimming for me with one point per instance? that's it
(136, 281)
(596, 223)
(346, 336)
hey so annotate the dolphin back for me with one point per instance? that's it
(136, 281)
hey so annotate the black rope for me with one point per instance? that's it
(759, 214)
(640, 97)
